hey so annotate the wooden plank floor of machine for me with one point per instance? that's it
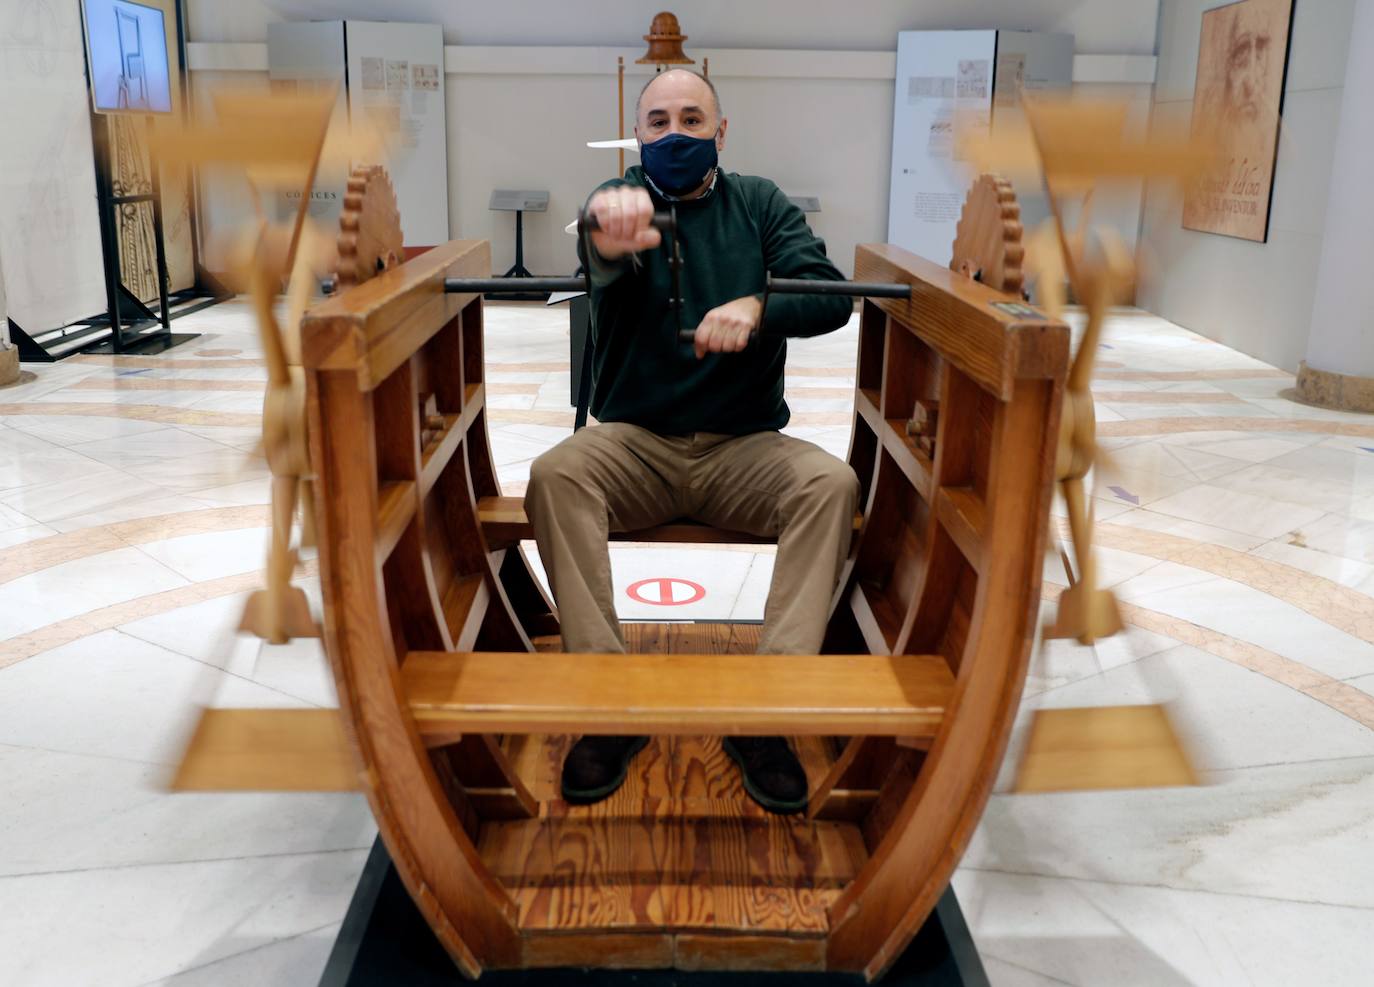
(460, 707)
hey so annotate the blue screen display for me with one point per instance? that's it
(128, 49)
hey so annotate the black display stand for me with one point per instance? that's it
(128, 325)
(384, 941)
(518, 201)
(129, 335)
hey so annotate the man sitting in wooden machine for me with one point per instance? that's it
(692, 430)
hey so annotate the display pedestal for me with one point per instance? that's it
(385, 941)
(518, 201)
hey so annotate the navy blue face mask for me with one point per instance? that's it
(677, 164)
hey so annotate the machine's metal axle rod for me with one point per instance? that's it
(484, 285)
(777, 286)
(857, 289)
(667, 224)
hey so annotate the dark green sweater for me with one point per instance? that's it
(730, 239)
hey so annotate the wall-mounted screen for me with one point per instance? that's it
(127, 46)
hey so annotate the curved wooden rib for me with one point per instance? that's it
(926, 576)
(360, 349)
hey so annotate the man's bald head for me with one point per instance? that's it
(677, 86)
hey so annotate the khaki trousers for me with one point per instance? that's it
(619, 477)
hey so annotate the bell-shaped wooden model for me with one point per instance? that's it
(665, 39)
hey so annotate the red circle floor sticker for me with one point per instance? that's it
(663, 591)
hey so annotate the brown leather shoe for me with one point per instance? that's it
(773, 776)
(596, 767)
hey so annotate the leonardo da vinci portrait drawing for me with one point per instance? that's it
(1239, 92)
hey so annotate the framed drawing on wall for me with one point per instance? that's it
(1242, 59)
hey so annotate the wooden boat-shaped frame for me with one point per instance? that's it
(458, 704)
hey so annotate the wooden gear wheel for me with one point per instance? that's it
(369, 228)
(987, 242)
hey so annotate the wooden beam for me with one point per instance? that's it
(1089, 748)
(961, 320)
(962, 514)
(268, 750)
(803, 695)
(374, 327)
(504, 522)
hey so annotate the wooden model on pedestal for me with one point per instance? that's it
(457, 705)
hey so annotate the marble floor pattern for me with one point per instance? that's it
(1237, 528)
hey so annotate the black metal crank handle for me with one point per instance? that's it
(662, 221)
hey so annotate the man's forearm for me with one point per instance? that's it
(806, 315)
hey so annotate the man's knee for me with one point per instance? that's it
(555, 470)
(833, 481)
(826, 487)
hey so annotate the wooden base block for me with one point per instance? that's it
(9, 365)
(605, 952)
(384, 941)
(1086, 617)
(296, 618)
(261, 750)
(1103, 747)
(748, 953)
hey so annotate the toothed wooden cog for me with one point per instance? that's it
(987, 241)
(369, 227)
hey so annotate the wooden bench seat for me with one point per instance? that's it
(827, 695)
(504, 522)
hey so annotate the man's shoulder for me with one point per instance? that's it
(753, 185)
(764, 197)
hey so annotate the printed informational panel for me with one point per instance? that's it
(968, 79)
(49, 225)
(307, 57)
(1240, 68)
(396, 90)
(941, 76)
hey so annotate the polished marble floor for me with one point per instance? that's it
(1237, 527)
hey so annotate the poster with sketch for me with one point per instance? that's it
(425, 77)
(973, 79)
(1238, 96)
(1010, 79)
(374, 74)
(401, 105)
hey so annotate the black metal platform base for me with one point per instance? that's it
(384, 941)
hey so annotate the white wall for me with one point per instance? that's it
(1111, 26)
(1342, 334)
(813, 111)
(4, 321)
(529, 131)
(1255, 297)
